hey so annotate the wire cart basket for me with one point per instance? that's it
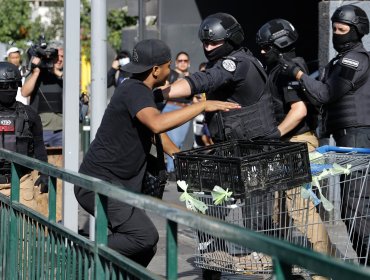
(331, 215)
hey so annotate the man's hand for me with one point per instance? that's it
(214, 105)
(289, 67)
(35, 63)
(35, 60)
(115, 64)
(42, 182)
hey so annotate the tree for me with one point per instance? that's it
(117, 20)
(15, 21)
(16, 25)
(18, 29)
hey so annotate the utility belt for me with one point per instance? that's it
(180, 104)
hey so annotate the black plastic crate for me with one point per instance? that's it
(244, 166)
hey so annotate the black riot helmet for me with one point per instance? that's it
(221, 26)
(10, 80)
(279, 33)
(9, 75)
(353, 16)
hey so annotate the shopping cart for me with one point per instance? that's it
(322, 216)
(347, 190)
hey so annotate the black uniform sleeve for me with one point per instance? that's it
(209, 80)
(37, 132)
(111, 77)
(342, 78)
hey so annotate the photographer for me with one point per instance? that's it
(115, 74)
(45, 87)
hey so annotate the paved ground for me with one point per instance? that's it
(186, 243)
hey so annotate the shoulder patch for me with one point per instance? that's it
(229, 65)
(350, 62)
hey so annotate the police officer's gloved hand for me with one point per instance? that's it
(289, 67)
(42, 182)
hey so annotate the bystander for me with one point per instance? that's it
(45, 88)
(14, 56)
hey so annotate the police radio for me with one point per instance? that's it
(7, 124)
(7, 129)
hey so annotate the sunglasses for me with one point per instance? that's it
(183, 60)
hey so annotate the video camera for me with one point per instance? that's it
(48, 56)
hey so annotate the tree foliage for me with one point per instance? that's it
(117, 20)
(15, 21)
(17, 27)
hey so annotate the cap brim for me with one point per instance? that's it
(135, 68)
(12, 50)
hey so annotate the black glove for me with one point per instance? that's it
(289, 67)
(42, 182)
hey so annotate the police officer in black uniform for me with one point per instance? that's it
(21, 132)
(232, 74)
(296, 118)
(294, 114)
(344, 92)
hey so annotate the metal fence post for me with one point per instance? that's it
(86, 134)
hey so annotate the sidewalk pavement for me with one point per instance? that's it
(185, 239)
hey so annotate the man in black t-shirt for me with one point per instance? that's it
(122, 144)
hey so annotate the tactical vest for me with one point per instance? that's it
(251, 121)
(353, 109)
(16, 134)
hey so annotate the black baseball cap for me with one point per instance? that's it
(147, 54)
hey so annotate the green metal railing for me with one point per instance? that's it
(35, 247)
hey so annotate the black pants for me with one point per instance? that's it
(132, 232)
(356, 200)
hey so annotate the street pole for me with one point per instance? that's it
(141, 27)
